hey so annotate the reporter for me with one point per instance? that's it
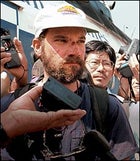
(129, 90)
(126, 83)
(19, 73)
(15, 77)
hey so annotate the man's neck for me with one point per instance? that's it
(73, 86)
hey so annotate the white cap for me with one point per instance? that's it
(62, 16)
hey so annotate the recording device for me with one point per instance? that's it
(94, 141)
(55, 96)
(7, 43)
(129, 50)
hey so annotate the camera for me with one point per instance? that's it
(56, 96)
(129, 50)
(7, 43)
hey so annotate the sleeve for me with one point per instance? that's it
(120, 136)
(6, 101)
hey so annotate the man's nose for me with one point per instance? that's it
(100, 66)
(74, 47)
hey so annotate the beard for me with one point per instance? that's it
(66, 70)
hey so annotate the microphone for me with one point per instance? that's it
(95, 142)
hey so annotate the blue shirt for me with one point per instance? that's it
(119, 133)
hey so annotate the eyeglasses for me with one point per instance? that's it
(94, 64)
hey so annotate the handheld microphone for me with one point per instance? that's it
(94, 141)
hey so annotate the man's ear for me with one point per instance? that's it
(37, 47)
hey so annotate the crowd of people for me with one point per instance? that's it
(61, 49)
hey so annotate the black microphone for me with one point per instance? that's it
(95, 142)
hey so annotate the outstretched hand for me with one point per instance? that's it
(21, 116)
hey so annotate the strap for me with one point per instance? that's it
(20, 91)
(100, 101)
(131, 89)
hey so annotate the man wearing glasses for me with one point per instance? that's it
(100, 62)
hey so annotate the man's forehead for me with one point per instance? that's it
(67, 32)
(65, 29)
(98, 54)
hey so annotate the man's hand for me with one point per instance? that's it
(119, 61)
(20, 73)
(21, 116)
(134, 66)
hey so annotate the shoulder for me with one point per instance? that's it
(121, 99)
(115, 106)
(114, 99)
(97, 90)
(10, 97)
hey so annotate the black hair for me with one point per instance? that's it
(4, 32)
(96, 45)
(43, 34)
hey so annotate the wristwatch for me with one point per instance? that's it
(3, 137)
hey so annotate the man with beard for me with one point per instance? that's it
(60, 34)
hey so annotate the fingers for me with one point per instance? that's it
(134, 65)
(121, 57)
(21, 71)
(68, 117)
(18, 45)
(4, 58)
(2, 49)
(75, 115)
(133, 62)
(120, 60)
(119, 63)
(72, 113)
(20, 51)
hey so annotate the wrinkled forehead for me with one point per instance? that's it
(98, 55)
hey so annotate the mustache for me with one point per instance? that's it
(73, 59)
(100, 75)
